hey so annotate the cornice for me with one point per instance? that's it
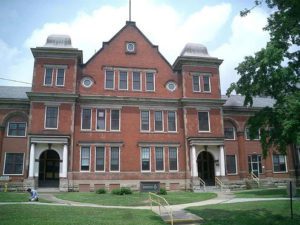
(35, 96)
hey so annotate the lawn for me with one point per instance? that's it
(16, 197)
(264, 193)
(64, 215)
(135, 199)
(250, 213)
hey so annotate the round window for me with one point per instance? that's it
(171, 86)
(130, 47)
(87, 82)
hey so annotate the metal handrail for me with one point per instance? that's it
(219, 182)
(159, 200)
(202, 183)
(254, 177)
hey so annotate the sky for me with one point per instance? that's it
(170, 24)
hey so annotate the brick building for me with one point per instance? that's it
(127, 117)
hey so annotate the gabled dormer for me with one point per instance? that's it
(56, 66)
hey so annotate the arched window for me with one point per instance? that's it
(229, 130)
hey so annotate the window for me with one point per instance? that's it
(171, 86)
(173, 164)
(86, 119)
(100, 158)
(16, 129)
(203, 119)
(60, 77)
(101, 119)
(159, 159)
(196, 83)
(130, 47)
(145, 118)
(231, 164)
(206, 83)
(229, 133)
(85, 158)
(254, 164)
(13, 163)
(145, 158)
(123, 80)
(149, 81)
(109, 79)
(51, 117)
(172, 121)
(136, 81)
(114, 159)
(279, 163)
(158, 121)
(87, 82)
(247, 134)
(48, 76)
(115, 120)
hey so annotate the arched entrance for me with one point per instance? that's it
(206, 167)
(49, 169)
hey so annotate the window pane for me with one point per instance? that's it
(206, 83)
(173, 158)
(229, 132)
(158, 121)
(149, 82)
(86, 119)
(115, 119)
(109, 79)
(145, 120)
(247, 133)
(123, 80)
(146, 159)
(171, 121)
(279, 163)
(51, 117)
(203, 121)
(159, 158)
(85, 158)
(100, 158)
(196, 86)
(13, 163)
(60, 77)
(16, 129)
(48, 76)
(101, 119)
(114, 159)
(231, 164)
(136, 81)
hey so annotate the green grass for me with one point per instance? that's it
(135, 199)
(64, 215)
(264, 193)
(16, 197)
(250, 213)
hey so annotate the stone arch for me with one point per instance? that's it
(13, 114)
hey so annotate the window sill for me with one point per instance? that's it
(281, 172)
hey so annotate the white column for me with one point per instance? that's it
(65, 162)
(194, 162)
(222, 161)
(31, 160)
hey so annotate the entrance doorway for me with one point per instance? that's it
(49, 169)
(206, 167)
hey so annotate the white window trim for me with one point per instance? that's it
(97, 146)
(114, 171)
(209, 76)
(204, 131)
(119, 120)
(162, 114)
(149, 119)
(171, 131)
(119, 83)
(141, 160)
(5, 165)
(45, 118)
(105, 119)
(153, 82)
(234, 134)
(57, 76)
(176, 158)
(140, 89)
(114, 79)
(236, 166)
(85, 171)
(7, 132)
(163, 159)
(286, 169)
(45, 68)
(199, 82)
(91, 119)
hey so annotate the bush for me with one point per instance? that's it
(101, 191)
(162, 191)
(122, 191)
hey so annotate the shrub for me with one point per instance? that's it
(101, 191)
(121, 191)
(162, 191)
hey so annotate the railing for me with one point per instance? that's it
(202, 183)
(161, 202)
(254, 177)
(218, 182)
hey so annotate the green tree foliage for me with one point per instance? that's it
(274, 71)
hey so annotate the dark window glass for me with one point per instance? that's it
(196, 83)
(60, 77)
(279, 163)
(109, 82)
(159, 158)
(171, 121)
(51, 117)
(114, 159)
(231, 164)
(85, 158)
(149, 82)
(48, 76)
(146, 159)
(145, 120)
(173, 158)
(203, 121)
(255, 137)
(86, 119)
(123, 80)
(100, 158)
(229, 132)
(115, 119)
(100, 119)
(16, 129)
(136, 81)
(158, 121)
(206, 83)
(13, 163)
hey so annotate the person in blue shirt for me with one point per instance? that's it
(33, 195)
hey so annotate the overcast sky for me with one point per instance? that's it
(170, 24)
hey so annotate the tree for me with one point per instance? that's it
(274, 71)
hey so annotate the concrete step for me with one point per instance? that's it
(182, 217)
